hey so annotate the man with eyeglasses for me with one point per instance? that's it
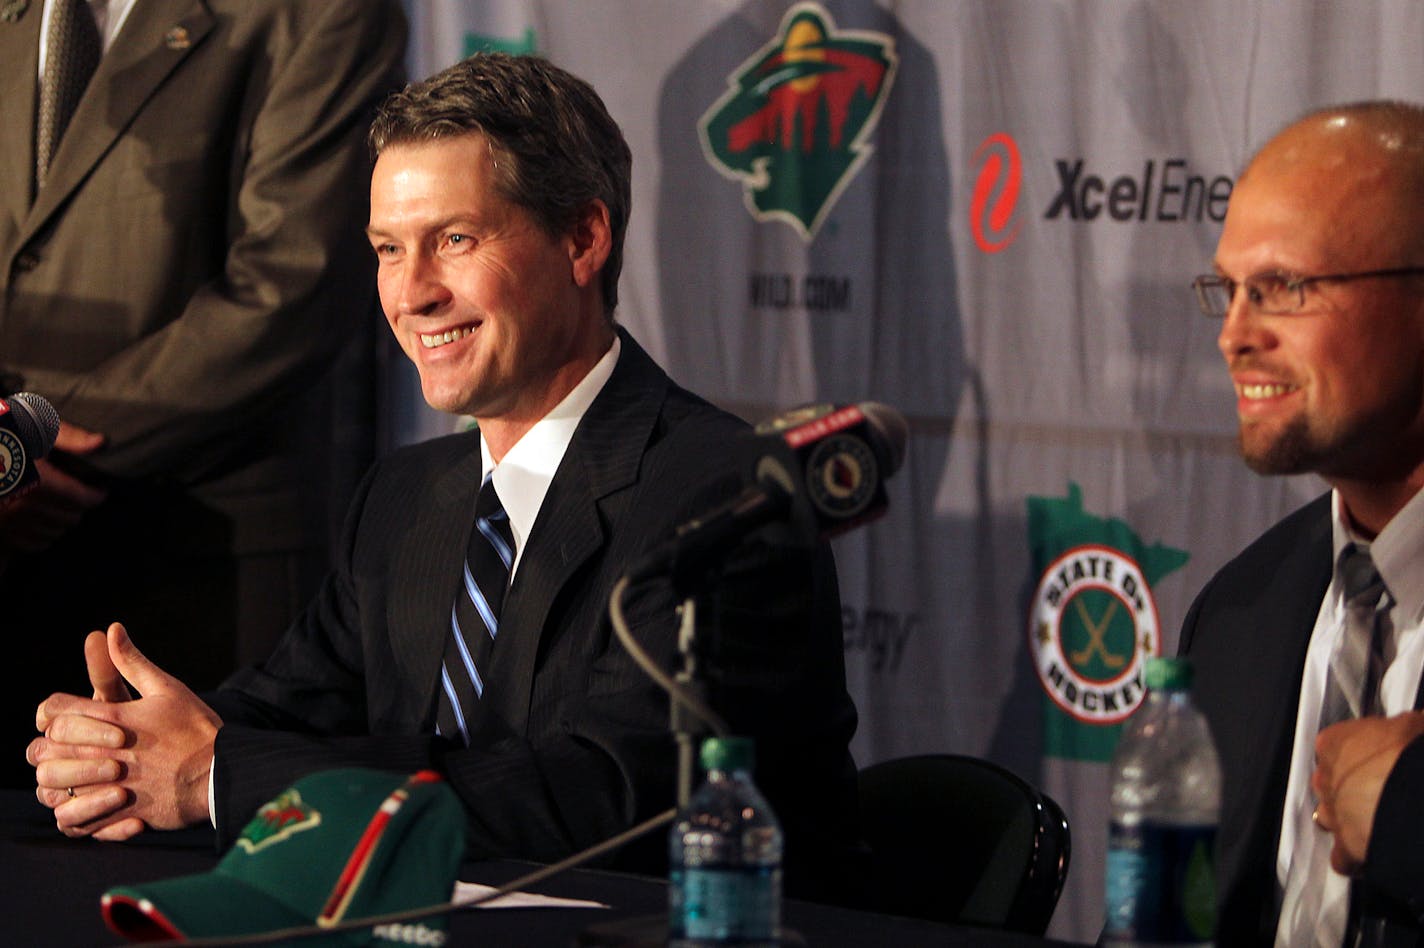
(1309, 646)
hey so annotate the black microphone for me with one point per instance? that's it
(821, 468)
(28, 426)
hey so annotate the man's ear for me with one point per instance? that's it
(590, 240)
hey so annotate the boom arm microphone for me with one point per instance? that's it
(821, 468)
(28, 426)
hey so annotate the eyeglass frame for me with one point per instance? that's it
(1296, 284)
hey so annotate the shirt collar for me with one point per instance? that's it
(1398, 554)
(522, 478)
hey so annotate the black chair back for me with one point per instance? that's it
(960, 839)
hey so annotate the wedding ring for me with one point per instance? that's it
(1315, 816)
(70, 791)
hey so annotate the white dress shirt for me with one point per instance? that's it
(1398, 554)
(523, 476)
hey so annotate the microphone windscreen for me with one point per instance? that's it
(891, 426)
(36, 422)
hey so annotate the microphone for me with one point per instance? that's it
(28, 426)
(821, 468)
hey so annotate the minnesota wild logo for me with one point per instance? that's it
(794, 124)
(278, 819)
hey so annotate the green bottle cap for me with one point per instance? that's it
(728, 753)
(1169, 674)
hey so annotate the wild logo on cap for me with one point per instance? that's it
(278, 820)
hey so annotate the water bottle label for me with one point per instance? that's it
(1161, 883)
(730, 904)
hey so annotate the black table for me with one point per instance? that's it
(50, 887)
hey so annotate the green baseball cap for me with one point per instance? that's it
(336, 845)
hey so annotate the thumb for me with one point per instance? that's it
(108, 684)
(73, 439)
(138, 671)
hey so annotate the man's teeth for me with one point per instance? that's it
(1272, 390)
(436, 340)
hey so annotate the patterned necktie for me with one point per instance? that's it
(474, 618)
(72, 52)
(1351, 691)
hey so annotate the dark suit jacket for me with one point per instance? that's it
(1247, 635)
(184, 284)
(571, 741)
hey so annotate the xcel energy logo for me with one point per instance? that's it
(1165, 191)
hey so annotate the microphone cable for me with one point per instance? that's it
(650, 667)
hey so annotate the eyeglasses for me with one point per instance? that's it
(1276, 294)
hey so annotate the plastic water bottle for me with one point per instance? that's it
(725, 856)
(1165, 807)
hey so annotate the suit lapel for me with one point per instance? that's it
(157, 37)
(1271, 636)
(425, 574)
(19, 66)
(1279, 667)
(603, 457)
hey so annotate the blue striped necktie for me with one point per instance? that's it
(474, 617)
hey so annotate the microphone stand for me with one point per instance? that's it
(687, 728)
(691, 720)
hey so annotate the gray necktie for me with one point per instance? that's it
(1351, 691)
(72, 52)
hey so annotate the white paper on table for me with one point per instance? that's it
(469, 891)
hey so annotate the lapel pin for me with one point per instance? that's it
(176, 38)
(13, 10)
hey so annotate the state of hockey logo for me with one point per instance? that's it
(1092, 627)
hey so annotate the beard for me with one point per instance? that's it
(1380, 447)
(1292, 450)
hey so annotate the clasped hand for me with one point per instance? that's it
(1353, 759)
(111, 765)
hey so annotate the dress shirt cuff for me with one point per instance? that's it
(212, 792)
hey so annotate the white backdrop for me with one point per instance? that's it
(986, 214)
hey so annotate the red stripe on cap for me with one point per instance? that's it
(350, 879)
(161, 928)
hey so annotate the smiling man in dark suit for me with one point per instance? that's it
(1320, 282)
(499, 203)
